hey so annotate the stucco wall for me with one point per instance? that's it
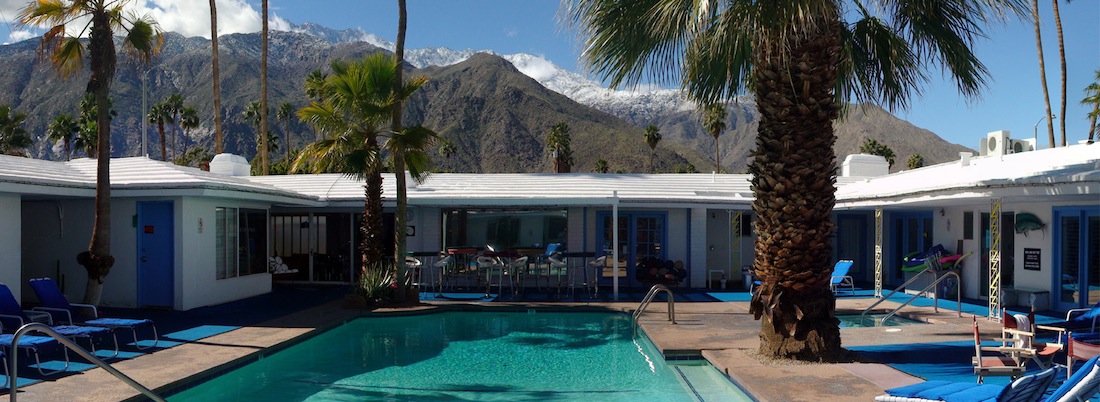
(196, 278)
(10, 244)
(53, 233)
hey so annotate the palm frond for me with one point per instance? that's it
(877, 65)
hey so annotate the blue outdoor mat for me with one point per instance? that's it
(947, 361)
(200, 332)
(19, 382)
(74, 366)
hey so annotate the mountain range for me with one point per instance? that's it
(496, 110)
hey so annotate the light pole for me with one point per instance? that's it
(1035, 130)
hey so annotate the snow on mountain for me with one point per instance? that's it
(639, 105)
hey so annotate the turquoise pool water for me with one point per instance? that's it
(472, 356)
(873, 320)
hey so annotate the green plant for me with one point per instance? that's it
(376, 284)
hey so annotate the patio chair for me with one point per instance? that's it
(1018, 337)
(1081, 347)
(1077, 320)
(13, 316)
(55, 303)
(841, 278)
(1025, 389)
(1081, 386)
(1002, 363)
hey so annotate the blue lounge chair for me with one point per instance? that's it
(1025, 389)
(32, 345)
(55, 303)
(13, 316)
(1082, 385)
(841, 278)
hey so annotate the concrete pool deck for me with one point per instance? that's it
(722, 332)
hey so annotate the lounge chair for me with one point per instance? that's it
(1081, 386)
(1003, 363)
(1077, 320)
(31, 344)
(1018, 332)
(841, 278)
(13, 316)
(1024, 389)
(55, 303)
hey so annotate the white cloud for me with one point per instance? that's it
(187, 17)
(19, 36)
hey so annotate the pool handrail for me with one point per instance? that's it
(13, 376)
(653, 291)
(935, 301)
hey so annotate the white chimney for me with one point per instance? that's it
(964, 158)
(864, 165)
(230, 165)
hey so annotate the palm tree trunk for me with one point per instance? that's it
(1062, 60)
(160, 130)
(264, 159)
(286, 140)
(793, 181)
(717, 157)
(399, 161)
(215, 70)
(373, 215)
(1043, 71)
(97, 260)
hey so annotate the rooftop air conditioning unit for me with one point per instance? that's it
(996, 143)
(1017, 146)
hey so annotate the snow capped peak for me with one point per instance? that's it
(642, 104)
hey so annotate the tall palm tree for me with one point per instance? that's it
(399, 158)
(652, 137)
(13, 136)
(1043, 71)
(802, 59)
(1092, 97)
(63, 128)
(557, 142)
(285, 113)
(216, 79)
(714, 122)
(88, 138)
(264, 147)
(189, 120)
(357, 99)
(173, 104)
(98, 20)
(254, 115)
(161, 114)
(1062, 63)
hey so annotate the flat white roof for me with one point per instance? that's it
(1065, 173)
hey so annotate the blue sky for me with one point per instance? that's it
(1013, 100)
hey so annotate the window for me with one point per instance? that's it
(506, 228)
(968, 226)
(241, 243)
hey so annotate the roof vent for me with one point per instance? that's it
(964, 158)
(864, 165)
(230, 165)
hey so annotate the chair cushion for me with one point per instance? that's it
(118, 322)
(78, 330)
(911, 391)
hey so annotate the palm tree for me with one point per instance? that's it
(173, 104)
(872, 147)
(264, 147)
(253, 114)
(1043, 71)
(63, 128)
(714, 122)
(216, 71)
(652, 137)
(1062, 63)
(315, 85)
(98, 20)
(1092, 97)
(398, 153)
(285, 113)
(13, 137)
(601, 166)
(915, 161)
(446, 149)
(558, 145)
(357, 99)
(802, 60)
(88, 138)
(189, 120)
(160, 114)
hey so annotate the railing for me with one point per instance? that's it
(13, 368)
(648, 298)
(935, 301)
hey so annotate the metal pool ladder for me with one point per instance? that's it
(13, 369)
(658, 288)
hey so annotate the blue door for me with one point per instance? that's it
(911, 232)
(641, 235)
(1076, 256)
(156, 254)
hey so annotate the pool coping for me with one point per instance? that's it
(722, 333)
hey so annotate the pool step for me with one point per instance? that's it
(707, 383)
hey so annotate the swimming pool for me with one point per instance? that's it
(483, 356)
(874, 320)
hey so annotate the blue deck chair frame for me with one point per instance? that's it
(1024, 389)
(841, 279)
(32, 345)
(55, 303)
(12, 315)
